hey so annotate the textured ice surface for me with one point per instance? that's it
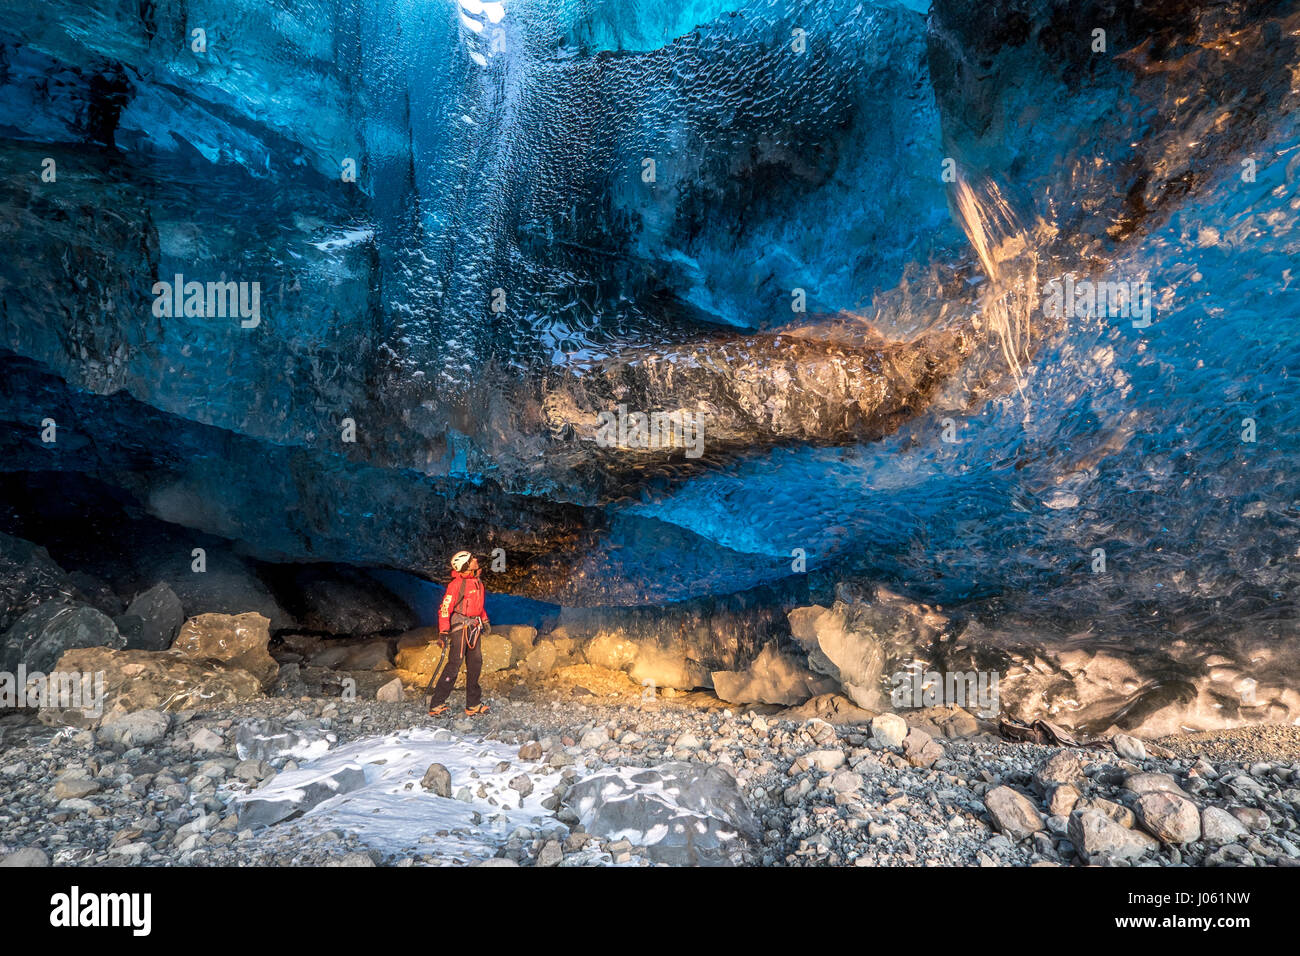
(501, 153)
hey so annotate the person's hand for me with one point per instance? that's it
(487, 626)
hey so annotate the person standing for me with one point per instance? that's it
(462, 621)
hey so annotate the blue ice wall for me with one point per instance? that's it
(542, 183)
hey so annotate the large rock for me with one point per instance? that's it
(1219, 827)
(1168, 817)
(27, 857)
(611, 650)
(1063, 767)
(135, 729)
(1099, 839)
(151, 680)
(267, 739)
(833, 708)
(39, 637)
(238, 640)
(1013, 813)
(28, 577)
(521, 636)
(418, 653)
(773, 678)
(683, 814)
(889, 730)
(294, 792)
(836, 646)
(227, 585)
(152, 621)
(352, 656)
(340, 600)
(673, 667)
(1153, 783)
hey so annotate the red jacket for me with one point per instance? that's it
(464, 596)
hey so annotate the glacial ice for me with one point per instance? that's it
(504, 164)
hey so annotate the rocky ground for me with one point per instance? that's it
(936, 788)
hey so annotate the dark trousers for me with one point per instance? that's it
(457, 649)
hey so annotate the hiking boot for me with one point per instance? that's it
(476, 710)
(439, 711)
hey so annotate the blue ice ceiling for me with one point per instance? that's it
(560, 203)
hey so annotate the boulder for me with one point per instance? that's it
(1013, 813)
(833, 708)
(1062, 800)
(340, 600)
(836, 646)
(920, 749)
(684, 814)
(611, 650)
(28, 856)
(38, 639)
(294, 792)
(266, 739)
(541, 660)
(96, 592)
(1168, 817)
(1116, 811)
(138, 728)
(1063, 767)
(159, 615)
(391, 693)
(437, 779)
(351, 656)
(659, 668)
(151, 680)
(773, 678)
(1219, 827)
(521, 636)
(28, 577)
(418, 653)
(1130, 748)
(1153, 783)
(227, 585)
(1099, 839)
(889, 730)
(238, 640)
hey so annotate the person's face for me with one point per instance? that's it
(473, 564)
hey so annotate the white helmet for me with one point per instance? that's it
(460, 560)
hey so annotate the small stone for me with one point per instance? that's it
(1153, 783)
(552, 853)
(1130, 748)
(73, 786)
(523, 784)
(593, 739)
(438, 779)
(530, 751)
